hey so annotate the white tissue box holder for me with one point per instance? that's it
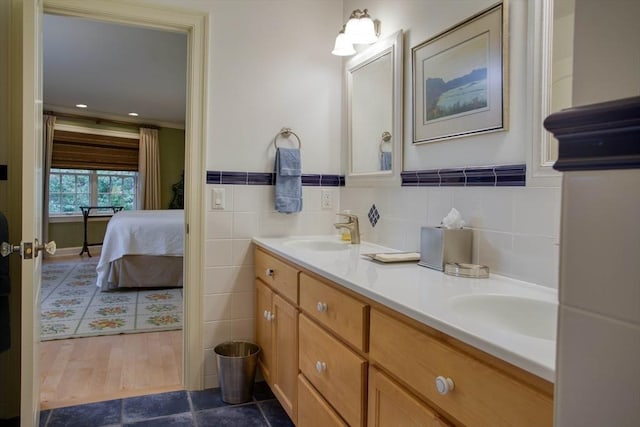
(440, 246)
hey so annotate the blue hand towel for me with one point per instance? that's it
(385, 161)
(288, 174)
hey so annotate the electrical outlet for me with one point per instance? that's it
(326, 199)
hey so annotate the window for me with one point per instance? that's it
(71, 188)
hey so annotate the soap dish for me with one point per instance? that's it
(467, 270)
(390, 257)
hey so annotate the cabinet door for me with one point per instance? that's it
(285, 354)
(392, 405)
(264, 302)
(313, 411)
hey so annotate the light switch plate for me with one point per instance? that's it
(218, 198)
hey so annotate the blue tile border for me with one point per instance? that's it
(267, 178)
(489, 176)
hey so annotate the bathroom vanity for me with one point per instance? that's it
(347, 341)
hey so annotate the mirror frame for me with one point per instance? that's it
(393, 45)
(540, 164)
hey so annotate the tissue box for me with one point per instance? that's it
(440, 246)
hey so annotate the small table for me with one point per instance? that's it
(85, 217)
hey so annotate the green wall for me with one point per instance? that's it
(171, 161)
(69, 234)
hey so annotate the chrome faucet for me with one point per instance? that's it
(352, 225)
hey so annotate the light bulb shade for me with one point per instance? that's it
(343, 46)
(366, 31)
(352, 28)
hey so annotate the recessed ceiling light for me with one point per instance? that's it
(133, 114)
(81, 105)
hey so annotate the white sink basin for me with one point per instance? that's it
(318, 245)
(525, 316)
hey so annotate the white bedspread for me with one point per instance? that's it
(145, 232)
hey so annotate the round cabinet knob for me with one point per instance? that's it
(265, 315)
(444, 385)
(270, 272)
(321, 367)
(271, 316)
(322, 307)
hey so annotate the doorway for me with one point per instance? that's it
(100, 346)
(194, 25)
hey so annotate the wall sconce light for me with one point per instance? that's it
(359, 29)
(343, 46)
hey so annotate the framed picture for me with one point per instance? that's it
(460, 84)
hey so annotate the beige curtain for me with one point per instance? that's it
(48, 123)
(149, 169)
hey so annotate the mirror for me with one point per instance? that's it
(374, 113)
(561, 96)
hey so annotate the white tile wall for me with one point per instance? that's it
(605, 243)
(516, 229)
(229, 297)
(599, 325)
(599, 373)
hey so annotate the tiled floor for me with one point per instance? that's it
(174, 409)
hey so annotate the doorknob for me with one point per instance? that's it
(8, 249)
(28, 250)
(48, 247)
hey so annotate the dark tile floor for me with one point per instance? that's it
(174, 409)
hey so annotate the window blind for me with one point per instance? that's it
(74, 150)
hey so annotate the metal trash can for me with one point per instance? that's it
(236, 361)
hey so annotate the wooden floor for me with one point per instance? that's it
(93, 369)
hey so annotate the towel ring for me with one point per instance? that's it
(386, 137)
(286, 133)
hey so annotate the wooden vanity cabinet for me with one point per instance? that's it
(277, 330)
(335, 358)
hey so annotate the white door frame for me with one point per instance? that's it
(195, 24)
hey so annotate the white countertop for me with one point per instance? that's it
(426, 295)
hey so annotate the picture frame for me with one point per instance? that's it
(460, 79)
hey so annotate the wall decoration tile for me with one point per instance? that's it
(373, 215)
(452, 177)
(490, 176)
(429, 178)
(3, 172)
(513, 175)
(480, 177)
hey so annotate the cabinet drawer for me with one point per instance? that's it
(280, 276)
(341, 313)
(313, 411)
(335, 371)
(483, 396)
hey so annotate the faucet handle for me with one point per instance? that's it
(351, 216)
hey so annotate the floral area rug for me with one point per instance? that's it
(72, 305)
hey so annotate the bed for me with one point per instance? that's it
(142, 249)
